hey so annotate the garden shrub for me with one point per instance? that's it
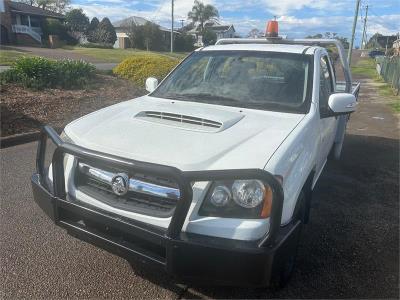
(139, 67)
(39, 73)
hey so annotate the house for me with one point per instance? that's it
(121, 28)
(22, 23)
(221, 30)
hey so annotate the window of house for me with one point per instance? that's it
(35, 22)
(24, 20)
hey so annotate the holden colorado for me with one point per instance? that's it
(209, 177)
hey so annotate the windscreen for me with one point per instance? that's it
(259, 80)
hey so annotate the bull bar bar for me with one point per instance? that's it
(177, 243)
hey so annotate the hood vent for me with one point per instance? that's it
(185, 121)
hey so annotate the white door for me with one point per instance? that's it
(328, 123)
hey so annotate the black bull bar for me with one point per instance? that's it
(60, 204)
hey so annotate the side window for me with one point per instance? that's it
(325, 88)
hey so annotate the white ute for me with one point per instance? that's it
(210, 175)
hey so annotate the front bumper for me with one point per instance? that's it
(188, 257)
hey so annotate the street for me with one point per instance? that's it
(350, 248)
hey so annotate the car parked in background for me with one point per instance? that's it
(375, 53)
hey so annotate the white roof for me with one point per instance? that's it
(262, 47)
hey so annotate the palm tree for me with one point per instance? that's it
(201, 13)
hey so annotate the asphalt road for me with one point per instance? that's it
(350, 249)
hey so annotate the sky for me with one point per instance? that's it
(297, 18)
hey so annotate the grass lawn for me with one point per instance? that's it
(7, 57)
(117, 55)
(367, 67)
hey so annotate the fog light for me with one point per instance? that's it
(220, 196)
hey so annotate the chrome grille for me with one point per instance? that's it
(146, 194)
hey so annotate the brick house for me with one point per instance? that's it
(22, 23)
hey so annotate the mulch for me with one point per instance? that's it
(24, 110)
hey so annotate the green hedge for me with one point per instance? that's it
(40, 73)
(139, 67)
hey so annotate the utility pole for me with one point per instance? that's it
(364, 35)
(353, 31)
(172, 25)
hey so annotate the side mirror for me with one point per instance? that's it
(342, 103)
(151, 84)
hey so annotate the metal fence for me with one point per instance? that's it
(389, 69)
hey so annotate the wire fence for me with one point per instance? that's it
(389, 69)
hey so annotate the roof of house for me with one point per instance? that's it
(138, 21)
(33, 10)
(220, 28)
(214, 25)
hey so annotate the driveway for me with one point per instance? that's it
(350, 249)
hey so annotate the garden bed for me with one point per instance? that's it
(24, 110)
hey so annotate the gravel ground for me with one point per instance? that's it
(350, 249)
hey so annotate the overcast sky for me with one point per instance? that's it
(298, 18)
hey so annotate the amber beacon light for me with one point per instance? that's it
(272, 29)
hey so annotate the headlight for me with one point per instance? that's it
(248, 193)
(244, 199)
(220, 196)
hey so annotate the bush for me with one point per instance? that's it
(139, 67)
(184, 42)
(55, 27)
(105, 32)
(209, 37)
(97, 45)
(146, 37)
(40, 73)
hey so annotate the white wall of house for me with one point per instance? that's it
(230, 33)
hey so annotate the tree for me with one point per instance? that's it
(153, 37)
(135, 35)
(76, 21)
(58, 6)
(209, 37)
(254, 33)
(55, 27)
(184, 42)
(106, 32)
(330, 35)
(201, 13)
(92, 30)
